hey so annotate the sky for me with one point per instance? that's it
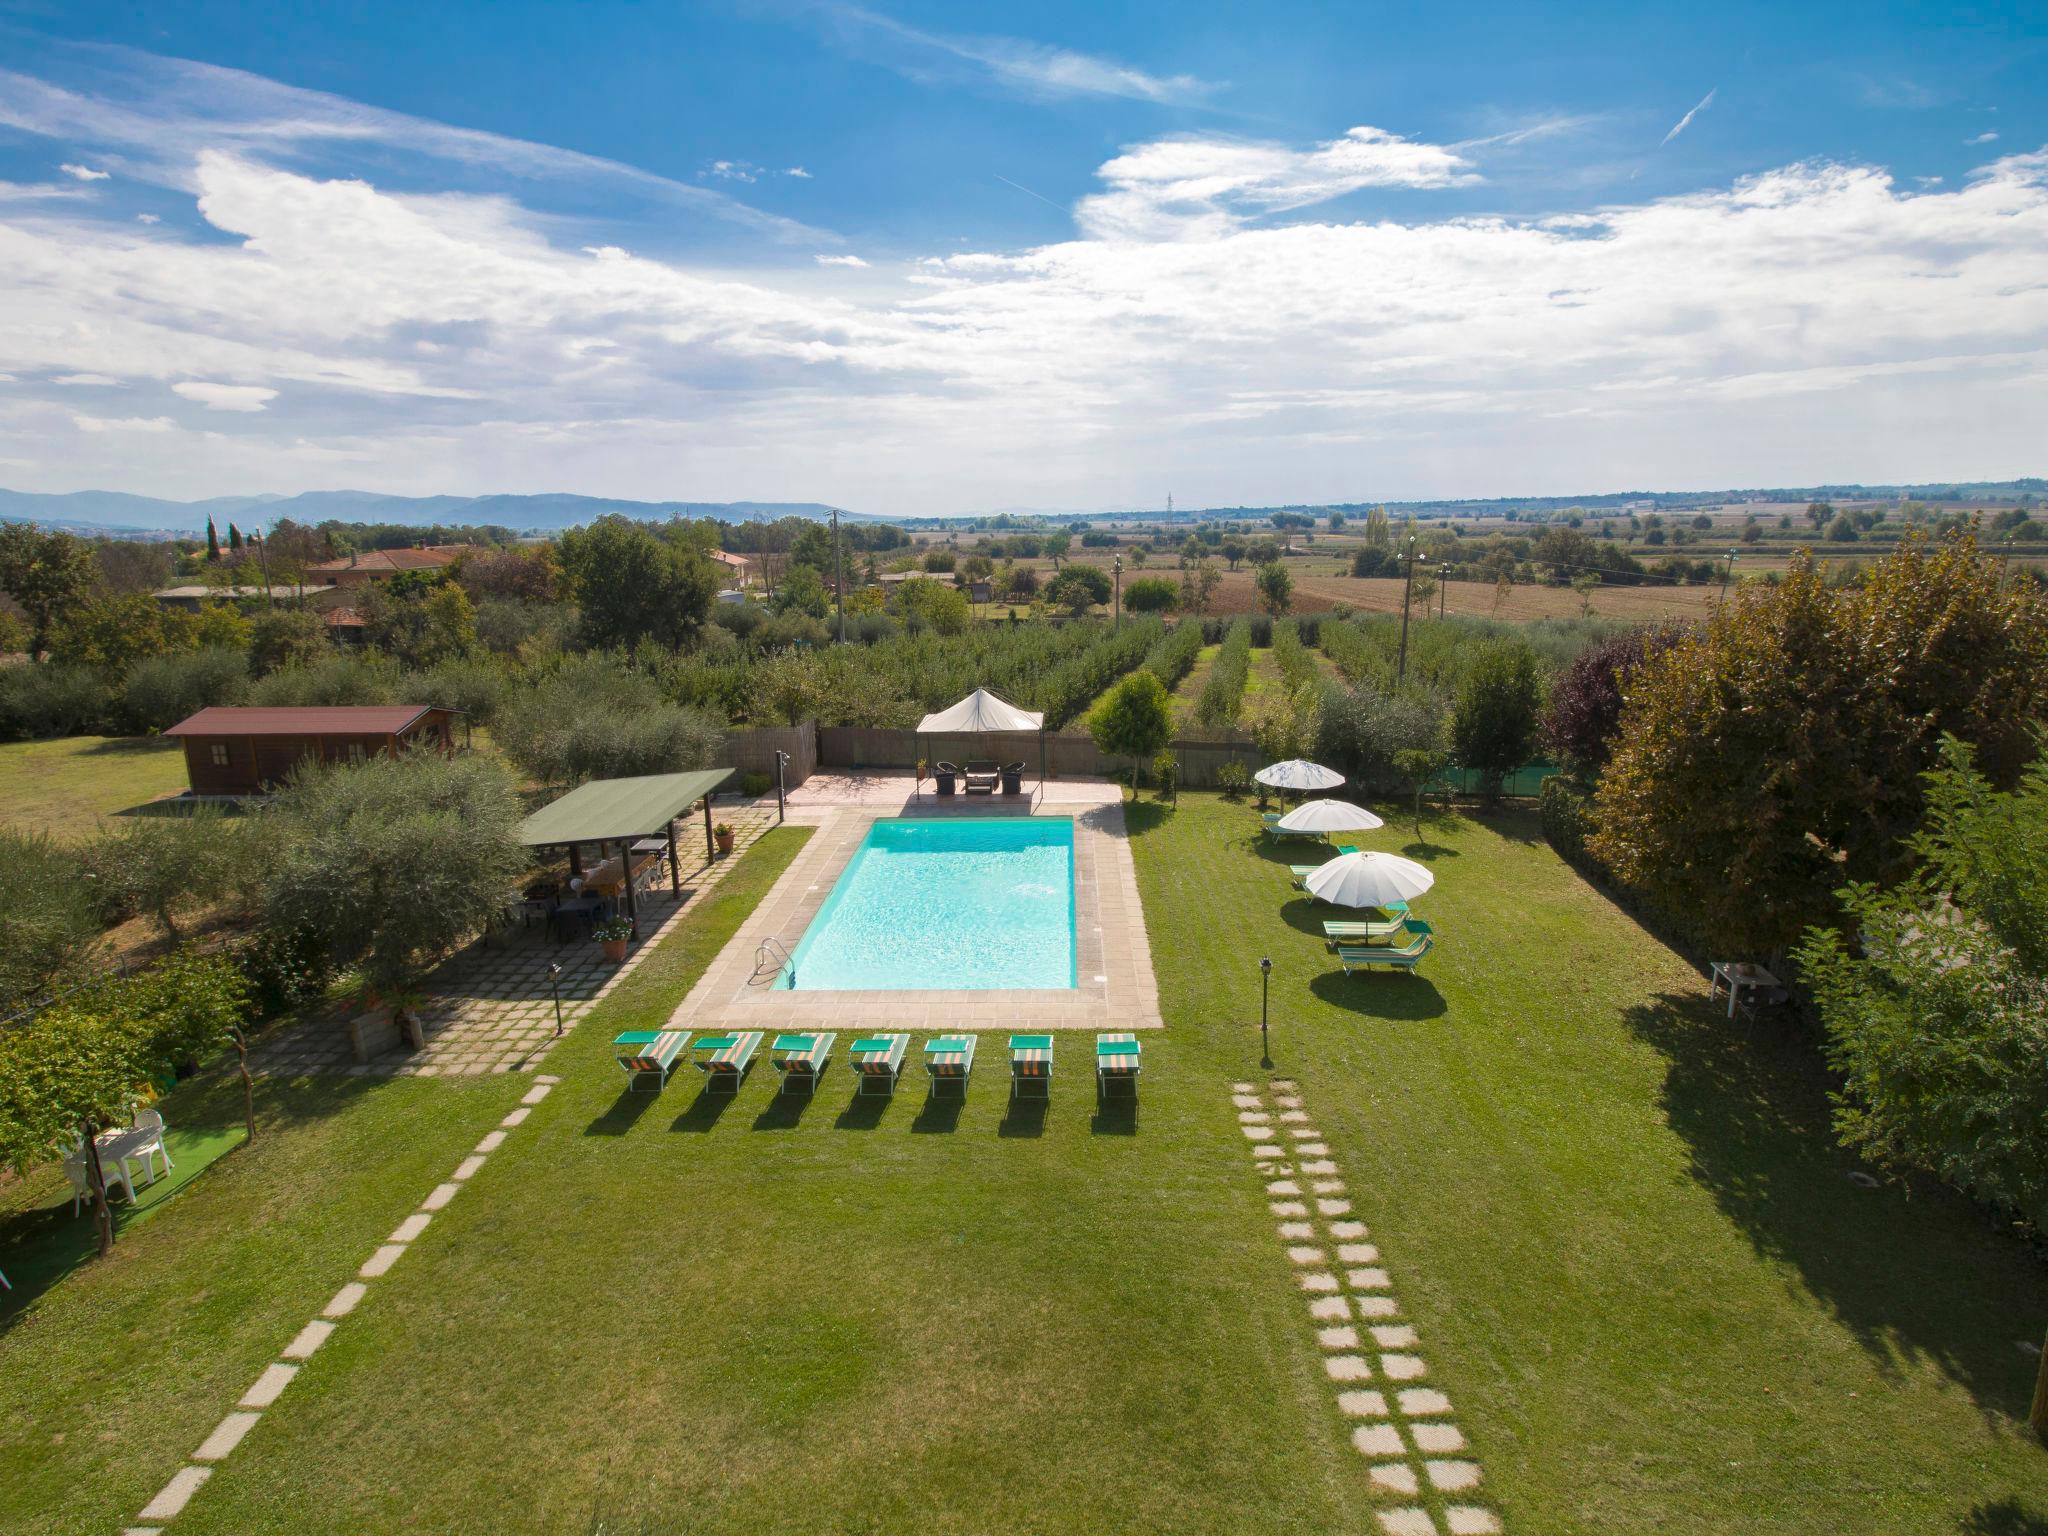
(922, 259)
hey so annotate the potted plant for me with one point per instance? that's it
(611, 935)
(723, 832)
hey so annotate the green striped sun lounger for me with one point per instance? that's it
(650, 1053)
(1364, 957)
(1031, 1066)
(801, 1059)
(949, 1060)
(1396, 929)
(1116, 1066)
(1271, 821)
(878, 1062)
(731, 1058)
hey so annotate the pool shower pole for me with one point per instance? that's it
(1265, 989)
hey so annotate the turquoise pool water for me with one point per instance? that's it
(951, 905)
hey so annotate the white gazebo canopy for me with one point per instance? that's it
(982, 711)
(1298, 774)
(1329, 816)
(1368, 880)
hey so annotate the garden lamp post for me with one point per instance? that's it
(1265, 990)
(781, 762)
(554, 973)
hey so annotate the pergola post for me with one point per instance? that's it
(710, 847)
(675, 869)
(626, 874)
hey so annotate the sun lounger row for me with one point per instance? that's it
(876, 1061)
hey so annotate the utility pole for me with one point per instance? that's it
(263, 559)
(1117, 623)
(1407, 586)
(1725, 574)
(838, 576)
(1443, 590)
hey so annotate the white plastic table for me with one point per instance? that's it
(1738, 976)
(116, 1147)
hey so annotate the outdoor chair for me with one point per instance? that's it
(801, 1059)
(731, 1059)
(573, 912)
(151, 1121)
(113, 1171)
(1013, 779)
(1364, 957)
(944, 775)
(949, 1059)
(1394, 930)
(982, 776)
(1031, 1066)
(877, 1062)
(650, 1052)
(1116, 1066)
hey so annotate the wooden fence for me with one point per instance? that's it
(754, 751)
(1066, 755)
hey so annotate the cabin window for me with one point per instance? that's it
(220, 754)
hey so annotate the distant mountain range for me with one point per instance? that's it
(116, 512)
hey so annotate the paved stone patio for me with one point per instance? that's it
(489, 1008)
(1116, 987)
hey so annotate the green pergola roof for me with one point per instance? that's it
(606, 810)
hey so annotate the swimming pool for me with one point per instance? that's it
(956, 905)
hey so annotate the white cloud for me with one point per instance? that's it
(799, 172)
(1023, 67)
(733, 170)
(1983, 138)
(152, 424)
(146, 218)
(85, 380)
(37, 191)
(1685, 122)
(225, 397)
(839, 261)
(84, 173)
(1209, 186)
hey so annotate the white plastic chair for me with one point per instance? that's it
(115, 1174)
(150, 1120)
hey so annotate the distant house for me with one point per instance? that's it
(738, 568)
(345, 626)
(237, 750)
(979, 591)
(193, 598)
(359, 570)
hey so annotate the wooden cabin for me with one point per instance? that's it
(235, 750)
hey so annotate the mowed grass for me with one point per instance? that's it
(64, 787)
(675, 1314)
(1630, 1244)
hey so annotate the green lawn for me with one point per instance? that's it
(1636, 1264)
(66, 786)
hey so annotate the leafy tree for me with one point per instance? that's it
(1152, 594)
(939, 562)
(49, 921)
(159, 692)
(631, 586)
(1777, 751)
(212, 539)
(1198, 586)
(1818, 512)
(111, 631)
(46, 573)
(1936, 1020)
(1276, 588)
(1233, 551)
(802, 591)
(932, 605)
(788, 688)
(159, 864)
(1499, 708)
(1134, 720)
(593, 718)
(394, 861)
(1263, 552)
(1054, 547)
(1842, 530)
(1586, 697)
(1285, 721)
(1363, 731)
(1079, 588)
(527, 574)
(286, 637)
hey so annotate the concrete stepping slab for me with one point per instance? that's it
(226, 1436)
(1301, 1133)
(1328, 1186)
(1263, 1152)
(1471, 1520)
(1346, 1231)
(1437, 1439)
(1323, 1308)
(1347, 1368)
(1282, 1085)
(1247, 1101)
(544, 1077)
(1452, 1476)
(1358, 1253)
(1345, 1337)
(1395, 1477)
(1303, 1253)
(1283, 1187)
(1287, 1208)
(467, 1169)
(1361, 1404)
(441, 1195)
(1394, 1336)
(1258, 1133)
(492, 1142)
(1293, 1116)
(1371, 1279)
(516, 1118)
(410, 1228)
(1252, 1117)
(1378, 1306)
(1406, 1522)
(308, 1339)
(1378, 1440)
(1297, 1229)
(276, 1378)
(1333, 1207)
(176, 1494)
(1320, 1280)
(1422, 1402)
(380, 1262)
(1404, 1367)
(345, 1299)
(1242, 1088)
(1287, 1101)
(1313, 1148)
(1319, 1165)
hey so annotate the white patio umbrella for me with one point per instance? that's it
(1329, 816)
(1368, 880)
(1299, 775)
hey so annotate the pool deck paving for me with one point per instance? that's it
(1116, 988)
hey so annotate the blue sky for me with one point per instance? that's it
(926, 259)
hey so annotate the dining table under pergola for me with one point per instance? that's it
(619, 813)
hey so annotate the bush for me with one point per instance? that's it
(1362, 732)
(593, 718)
(1500, 707)
(48, 922)
(282, 969)
(160, 864)
(286, 637)
(1134, 720)
(754, 783)
(1152, 594)
(332, 681)
(1586, 698)
(162, 690)
(1223, 690)
(1233, 778)
(40, 700)
(1079, 587)
(1565, 808)
(474, 687)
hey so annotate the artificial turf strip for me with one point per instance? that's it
(672, 1314)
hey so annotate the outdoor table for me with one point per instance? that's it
(116, 1147)
(606, 879)
(1739, 976)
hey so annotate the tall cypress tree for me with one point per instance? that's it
(234, 537)
(212, 539)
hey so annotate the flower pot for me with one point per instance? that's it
(614, 950)
(724, 843)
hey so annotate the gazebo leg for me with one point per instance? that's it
(675, 870)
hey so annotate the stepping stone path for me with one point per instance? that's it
(1417, 1457)
(268, 1388)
